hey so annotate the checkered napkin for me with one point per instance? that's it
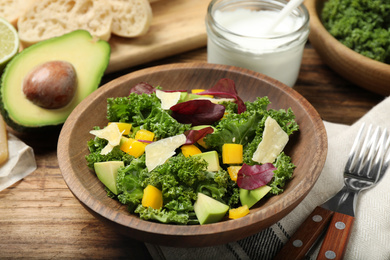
(370, 235)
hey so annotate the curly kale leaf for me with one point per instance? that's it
(96, 145)
(144, 111)
(164, 216)
(286, 120)
(129, 183)
(234, 128)
(283, 173)
(238, 128)
(247, 128)
(180, 179)
(361, 25)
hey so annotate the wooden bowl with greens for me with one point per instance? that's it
(354, 65)
(307, 148)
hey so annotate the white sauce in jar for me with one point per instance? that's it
(238, 37)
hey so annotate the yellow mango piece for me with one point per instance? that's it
(152, 197)
(123, 127)
(202, 143)
(232, 153)
(144, 135)
(133, 147)
(190, 150)
(198, 90)
(233, 172)
(238, 212)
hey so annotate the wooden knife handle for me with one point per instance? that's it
(336, 238)
(302, 240)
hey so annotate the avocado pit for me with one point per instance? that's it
(51, 85)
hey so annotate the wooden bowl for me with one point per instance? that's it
(307, 147)
(362, 71)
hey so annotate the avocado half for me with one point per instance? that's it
(89, 57)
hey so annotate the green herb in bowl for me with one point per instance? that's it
(361, 25)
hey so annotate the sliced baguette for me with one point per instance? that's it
(131, 18)
(11, 10)
(51, 18)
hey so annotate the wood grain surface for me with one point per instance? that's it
(178, 26)
(41, 219)
(306, 236)
(337, 237)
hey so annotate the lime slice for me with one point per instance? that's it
(9, 42)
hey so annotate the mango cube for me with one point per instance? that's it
(239, 212)
(198, 90)
(145, 135)
(123, 127)
(202, 143)
(152, 197)
(133, 147)
(190, 150)
(232, 154)
(233, 172)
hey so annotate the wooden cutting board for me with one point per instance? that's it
(178, 26)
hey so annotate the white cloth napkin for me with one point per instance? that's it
(370, 235)
(21, 162)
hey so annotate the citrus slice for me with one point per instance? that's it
(9, 42)
(158, 152)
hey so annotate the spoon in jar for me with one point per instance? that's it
(291, 5)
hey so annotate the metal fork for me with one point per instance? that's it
(365, 167)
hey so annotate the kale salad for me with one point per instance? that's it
(361, 25)
(191, 157)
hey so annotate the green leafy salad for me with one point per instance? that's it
(191, 158)
(361, 25)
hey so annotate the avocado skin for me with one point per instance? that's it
(55, 126)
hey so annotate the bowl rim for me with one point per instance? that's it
(152, 228)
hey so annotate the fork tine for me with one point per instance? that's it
(354, 150)
(370, 152)
(384, 163)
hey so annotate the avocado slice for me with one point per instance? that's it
(107, 173)
(200, 127)
(251, 197)
(211, 157)
(192, 96)
(209, 210)
(89, 58)
(183, 97)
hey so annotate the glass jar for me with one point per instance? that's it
(237, 35)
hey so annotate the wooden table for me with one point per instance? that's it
(40, 218)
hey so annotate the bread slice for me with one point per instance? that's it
(131, 18)
(51, 18)
(11, 10)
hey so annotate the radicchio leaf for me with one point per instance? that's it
(143, 87)
(194, 135)
(197, 112)
(226, 88)
(253, 177)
